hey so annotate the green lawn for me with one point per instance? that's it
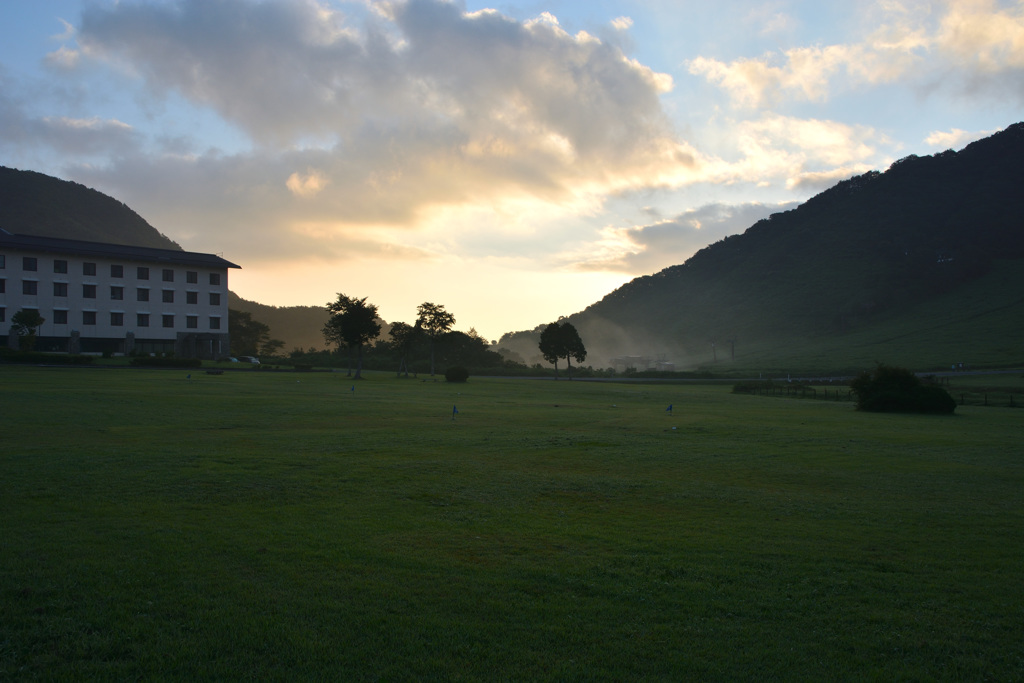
(282, 526)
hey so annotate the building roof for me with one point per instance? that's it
(55, 245)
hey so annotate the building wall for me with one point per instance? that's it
(116, 303)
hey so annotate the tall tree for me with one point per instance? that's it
(25, 323)
(562, 341)
(353, 323)
(250, 337)
(403, 337)
(434, 321)
(549, 345)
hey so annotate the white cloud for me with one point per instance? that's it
(421, 106)
(64, 58)
(646, 249)
(968, 44)
(622, 23)
(308, 185)
(955, 138)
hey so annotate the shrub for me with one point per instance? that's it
(456, 374)
(889, 389)
(39, 358)
(165, 362)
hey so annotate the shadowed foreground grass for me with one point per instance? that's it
(282, 526)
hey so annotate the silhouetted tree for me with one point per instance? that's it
(434, 321)
(562, 341)
(353, 323)
(403, 337)
(250, 337)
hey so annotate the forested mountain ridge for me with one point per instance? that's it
(32, 203)
(870, 248)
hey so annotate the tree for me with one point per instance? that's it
(434, 321)
(24, 323)
(562, 341)
(352, 324)
(890, 389)
(250, 337)
(403, 337)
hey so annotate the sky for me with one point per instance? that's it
(514, 161)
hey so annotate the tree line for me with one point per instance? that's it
(353, 329)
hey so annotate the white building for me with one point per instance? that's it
(98, 297)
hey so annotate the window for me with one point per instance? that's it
(3, 286)
(191, 297)
(192, 321)
(214, 299)
(215, 278)
(88, 269)
(88, 317)
(168, 296)
(191, 277)
(60, 266)
(142, 294)
(142, 273)
(117, 319)
(214, 323)
(88, 291)
(168, 275)
(3, 314)
(117, 293)
(30, 287)
(168, 321)
(142, 319)
(60, 289)
(3, 260)
(29, 263)
(60, 317)
(116, 271)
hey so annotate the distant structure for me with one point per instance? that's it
(111, 298)
(641, 363)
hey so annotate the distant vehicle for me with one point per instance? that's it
(249, 359)
(227, 359)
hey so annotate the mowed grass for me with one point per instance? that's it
(282, 526)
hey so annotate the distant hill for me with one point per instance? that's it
(297, 326)
(35, 204)
(843, 271)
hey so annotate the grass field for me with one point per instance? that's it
(282, 526)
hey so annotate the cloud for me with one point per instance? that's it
(308, 185)
(966, 44)
(653, 247)
(804, 154)
(415, 108)
(955, 138)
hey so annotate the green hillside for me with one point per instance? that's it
(297, 326)
(35, 204)
(915, 264)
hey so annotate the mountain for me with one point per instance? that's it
(299, 327)
(35, 204)
(843, 271)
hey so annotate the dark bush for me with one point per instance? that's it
(456, 374)
(39, 358)
(164, 362)
(889, 389)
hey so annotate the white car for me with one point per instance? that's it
(249, 359)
